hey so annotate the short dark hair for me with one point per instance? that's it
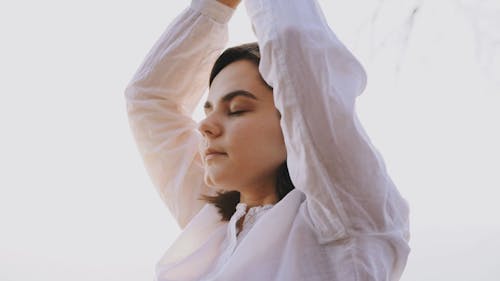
(248, 51)
(226, 201)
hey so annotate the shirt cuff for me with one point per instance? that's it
(219, 12)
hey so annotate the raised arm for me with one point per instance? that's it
(316, 80)
(162, 96)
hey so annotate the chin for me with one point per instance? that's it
(208, 181)
(214, 183)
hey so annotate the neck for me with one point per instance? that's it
(252, 200)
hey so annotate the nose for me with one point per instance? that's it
(209, 128)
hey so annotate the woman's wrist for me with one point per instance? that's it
(231, 3)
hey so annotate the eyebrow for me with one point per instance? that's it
(228, 97)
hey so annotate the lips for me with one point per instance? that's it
(211, 153)
(214, 155)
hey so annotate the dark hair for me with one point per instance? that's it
(226, 201)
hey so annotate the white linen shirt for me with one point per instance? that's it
(344, 221)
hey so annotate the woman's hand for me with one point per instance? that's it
(231, 3)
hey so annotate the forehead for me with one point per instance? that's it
(240, 75)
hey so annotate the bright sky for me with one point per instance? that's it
(75, 200)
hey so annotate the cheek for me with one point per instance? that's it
(254, 150)
(259, 141)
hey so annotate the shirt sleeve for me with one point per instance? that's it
(162, 96)
(316, 80)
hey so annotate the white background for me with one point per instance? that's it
(75, 200)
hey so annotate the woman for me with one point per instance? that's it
(292, 187)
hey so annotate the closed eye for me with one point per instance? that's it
(239, 112)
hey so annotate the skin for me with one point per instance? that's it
(231, 3)
(252, 141)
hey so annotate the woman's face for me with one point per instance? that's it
(245, 127)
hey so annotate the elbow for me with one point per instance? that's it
(321, 42)
(130, 91)
(360, 73)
